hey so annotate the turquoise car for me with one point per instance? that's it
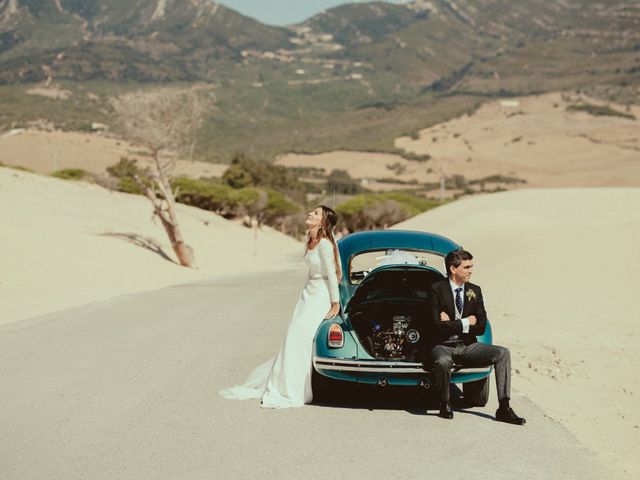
(378, 337)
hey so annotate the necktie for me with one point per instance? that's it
(459, 305)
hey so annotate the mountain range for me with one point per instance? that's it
(381, 69)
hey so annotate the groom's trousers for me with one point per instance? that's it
(443, 357)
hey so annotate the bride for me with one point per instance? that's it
(285, 381)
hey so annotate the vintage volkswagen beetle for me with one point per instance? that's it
(378, 336)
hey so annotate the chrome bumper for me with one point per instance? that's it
(380, 366)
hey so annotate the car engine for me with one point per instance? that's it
(393, 340)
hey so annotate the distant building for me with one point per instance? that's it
(99, 127)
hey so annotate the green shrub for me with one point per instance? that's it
(202, 194)
(262, 204)
(244, 197)
(265, 205)
(396, 168)
(398, 181)
(456, 182)
(599, 110)
(415, 203)
(314, 187)
(237, 176)
(416, 157)
(310, 172)
(278, 206)
(245, 172)
(497, 179)
(381, 210)
(71, 174)
(341, 182)
(22, 169)
(129, 185)
(125, 171)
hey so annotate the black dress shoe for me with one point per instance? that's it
(507, 415)
(445, 411)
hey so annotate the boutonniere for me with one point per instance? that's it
(470, 294)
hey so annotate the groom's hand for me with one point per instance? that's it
(335, 308)
(472, 320)
(444, 317)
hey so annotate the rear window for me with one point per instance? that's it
(362, 264)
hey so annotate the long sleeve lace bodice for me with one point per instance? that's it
(322, 265)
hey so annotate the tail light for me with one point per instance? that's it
(336, 336)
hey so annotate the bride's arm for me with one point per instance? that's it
(328, 265)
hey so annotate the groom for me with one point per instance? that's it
(457, 316)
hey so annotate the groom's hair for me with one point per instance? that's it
(455, 258)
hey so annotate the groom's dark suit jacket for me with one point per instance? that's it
(442, 301)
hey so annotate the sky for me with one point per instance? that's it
(284, 12)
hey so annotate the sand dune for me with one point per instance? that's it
(67, 243)
(558, 269)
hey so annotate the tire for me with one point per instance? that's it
(321, 387)
(476, 394)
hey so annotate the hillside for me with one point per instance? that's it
(552, 140)
(354, 77)
(151, 41)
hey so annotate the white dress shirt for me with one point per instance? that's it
(465, 320)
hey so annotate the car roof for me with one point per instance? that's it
(392, 239)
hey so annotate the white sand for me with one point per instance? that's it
(558, 268)
(65, 243)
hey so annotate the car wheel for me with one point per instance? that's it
(476, 394)
(321, 386)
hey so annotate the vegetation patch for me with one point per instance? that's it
(396, 168)
(262, 205)
(381, 210)
(18, 167)
(599, 111)
(497, 179)
(207, 195)
(125, 172)
(72, 174)
(397, 181)
(339, 181)
(416, 157)
(245, 172)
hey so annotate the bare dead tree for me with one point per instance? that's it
(165, 122)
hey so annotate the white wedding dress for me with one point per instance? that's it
(285, 381)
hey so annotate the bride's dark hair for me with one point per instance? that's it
(325, 230)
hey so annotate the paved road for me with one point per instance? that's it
(127, 389)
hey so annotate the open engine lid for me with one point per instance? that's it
(380, 240)
(394, 282)
(390, 239)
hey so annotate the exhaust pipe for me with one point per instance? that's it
(382, 382)
(424, 384)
